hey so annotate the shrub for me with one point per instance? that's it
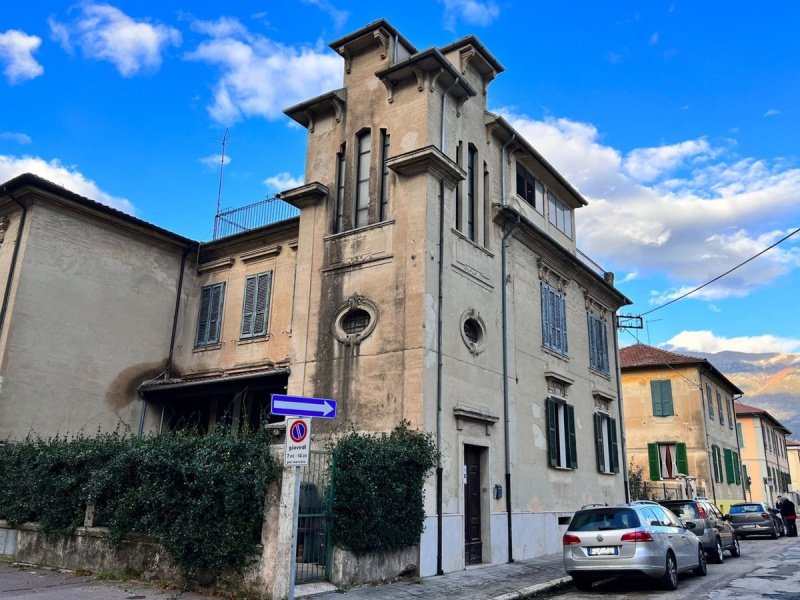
(378, 499)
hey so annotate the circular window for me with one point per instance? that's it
(473, 331)
(355, 321)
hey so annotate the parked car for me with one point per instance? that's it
(779, 524)
(753, 518)
(640, 538)
(716, 534)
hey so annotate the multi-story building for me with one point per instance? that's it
(432, 276)
(680, 425)
(793, 456)
(765, 455)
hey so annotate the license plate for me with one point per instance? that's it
(749, 526)
(604, 551)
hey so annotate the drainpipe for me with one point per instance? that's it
(504, 310)
(168, 369)
(440, 354)
(12, 268)
(623, 448)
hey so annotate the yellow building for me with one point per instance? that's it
(793, 454)
(680, 426)
(765, 455)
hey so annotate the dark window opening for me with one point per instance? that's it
(355, 321)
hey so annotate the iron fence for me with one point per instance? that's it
(661, 490)
(313, 557)
(267, 211)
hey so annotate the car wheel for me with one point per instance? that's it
(774, 534)
(582, 582)
(670, 579)
(736, 549)
(702, 567)
(719, 553)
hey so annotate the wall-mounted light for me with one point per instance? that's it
(498, 491)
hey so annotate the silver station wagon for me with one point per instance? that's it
(640, 538)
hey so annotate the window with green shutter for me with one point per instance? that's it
(716, 460)
(681, 459)
(606, 446)
(729, 475)
(554, 320)
(562, 442)
(255, 308)
(746, 478)
(654, 461)
(209, 318)
(661, 394)
(737, 468)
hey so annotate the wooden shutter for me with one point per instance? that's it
(729, 476)
(612, 428)
(736, 468)
(661, 393)
(262, 303)
(655, 394)
(552, 432)
(572, 440)
(598, 442)
(248, 306)
(714, 462)
(681, 459)
(202, 317)
(655, 462)
(545, 294)
(562, 323)
(746, 477)
(215, 313)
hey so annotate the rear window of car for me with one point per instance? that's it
(738, 509)
(684, 510)
(604, 519)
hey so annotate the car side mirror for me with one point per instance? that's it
(690, 525)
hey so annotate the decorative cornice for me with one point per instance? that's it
(216, 265)
(479, 415)
(594, 306)
(266, 252)
(428, 160)
(305, 195)
(551, 277)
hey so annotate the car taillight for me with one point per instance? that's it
(765, 516)
(570, 540)
(637, 536)
(702, 512)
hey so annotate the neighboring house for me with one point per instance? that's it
(793, 456)
(765, 456)
(680, 424)
(432, 276)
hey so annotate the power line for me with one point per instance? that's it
(718, 277)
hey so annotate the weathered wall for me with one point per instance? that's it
(349, 569)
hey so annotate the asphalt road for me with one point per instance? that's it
(767, 569)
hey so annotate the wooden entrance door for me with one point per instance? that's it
(473, 547)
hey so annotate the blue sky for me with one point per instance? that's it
(677, 120)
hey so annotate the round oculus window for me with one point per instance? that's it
(472, 330)
(356, 321)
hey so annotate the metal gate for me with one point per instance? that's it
(314, 519)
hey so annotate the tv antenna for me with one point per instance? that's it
(221, 172)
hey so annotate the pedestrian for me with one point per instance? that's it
(789, 516)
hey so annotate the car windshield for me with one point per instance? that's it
(604, 519)
(685, 510)
(738, 509)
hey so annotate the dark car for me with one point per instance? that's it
(714, 531)
(753, 518)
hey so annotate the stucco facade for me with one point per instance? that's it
(793, 456)
(765, 454)
(679, 422)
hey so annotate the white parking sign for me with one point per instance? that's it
(298, 441)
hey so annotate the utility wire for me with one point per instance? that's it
(718, 277)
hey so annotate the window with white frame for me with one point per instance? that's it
(559, 214)
(363, 152)
(667, 460)
(529, 188)
(562, 450)
(255, 307)
(554, 320)
(598, 344)
(605, 439)
(209, 318)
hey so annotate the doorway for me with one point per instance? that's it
(473, 544)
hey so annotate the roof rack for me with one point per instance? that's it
(637, 502)
(594, 505)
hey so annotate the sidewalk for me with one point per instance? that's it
(497, 582)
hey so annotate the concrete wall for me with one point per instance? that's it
(349, 569)
(90, 320)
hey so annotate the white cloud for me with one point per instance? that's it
(706, 341)
(283, 181)
(631, 276)
(339, 16)
(68, 177)
(692, 211)
(212, 162)
(16, 136)
(16, 52)
(104, 32)
(472, 12)
(714, 308)
(260, 77)
(654, 39)
(772, 112)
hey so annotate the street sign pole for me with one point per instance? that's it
(296, 510)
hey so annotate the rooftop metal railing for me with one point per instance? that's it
(266, 212)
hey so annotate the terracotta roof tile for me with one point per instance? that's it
(641, 355)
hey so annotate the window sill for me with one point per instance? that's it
(254, 340)
(603, 374)
(556, 353)
(563, 468)
(209, 348)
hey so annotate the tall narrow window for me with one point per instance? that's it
(471, 191)
(458, 189)
(598, 344)
(559, 214)
(605, 437)
(210, 315)
(362, 178)
(384, 208)
(561, 439)
(661, 395)
(255, 308)
(739, 435)
(487, 205)
(719, 408)
(728, 403)
(667, 461)
(710, 400)
(554, 320)
(338, 219)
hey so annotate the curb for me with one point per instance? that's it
(531, 590)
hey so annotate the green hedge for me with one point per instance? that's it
(378, 499)
(201, 495)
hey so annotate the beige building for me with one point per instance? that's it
(765, 455)
(432, 276)
(680, 425)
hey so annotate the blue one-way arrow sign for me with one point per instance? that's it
(298, 406)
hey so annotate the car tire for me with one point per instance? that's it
(582, 582)
(774, 534)
(669, 581)
(736, 549)
(702, 567)
(719, 554)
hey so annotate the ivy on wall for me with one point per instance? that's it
(378, 499)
